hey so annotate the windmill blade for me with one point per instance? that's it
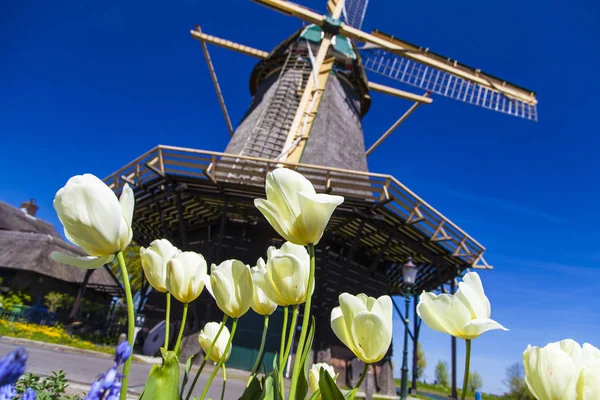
(353, 12)
(456, 81)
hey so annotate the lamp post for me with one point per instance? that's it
(409, 273)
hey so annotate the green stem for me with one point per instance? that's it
(305, 322)
(167, 321)
(206, 358)
(283, 334)
(181, 328)
(224, 382)
(362, 377)
(467, 365)
(260, 351)
(291, 335)
(221, 361)
(130, 323)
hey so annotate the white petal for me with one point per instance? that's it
(588, 384)
(372, 336)
(470, 292)
(91, 214)
(590, 354)
(476, 327)
(279, 222)
(82, 262)
(282, 188)
(127, 203)
(341, 330)
(573, 349)
(316, 212)
(384, 304)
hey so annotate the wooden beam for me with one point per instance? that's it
(422, 99)
(228, 44)
(213, 76)
(394, 126)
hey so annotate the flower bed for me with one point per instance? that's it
(48, 334)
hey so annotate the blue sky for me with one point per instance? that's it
(88, 86)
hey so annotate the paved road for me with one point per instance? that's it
(84, 369)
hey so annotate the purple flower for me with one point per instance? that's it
(123, 352)
(113, 394)
(29, 394)
(96, 391)
(12, 366)
(109, 378)
(7, 392)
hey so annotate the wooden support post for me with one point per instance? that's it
(381, 252)
(453, 342)
(80, 294)
(180, 216)
(394, 126)
(213, 76)
(356, 241)
(222, 230)
(163, 222)
(416, 329)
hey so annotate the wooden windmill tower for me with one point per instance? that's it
(309, 95)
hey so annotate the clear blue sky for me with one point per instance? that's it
(88, 86)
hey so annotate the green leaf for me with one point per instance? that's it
(188, 367)
(315, 395)
(329, 389)
(253, 391)
(302, 385)
(163, 380)
(351, 394)
(271, 388)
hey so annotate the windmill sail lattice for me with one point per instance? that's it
(354, 12)
(444, 84)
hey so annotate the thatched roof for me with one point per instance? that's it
(26, 243)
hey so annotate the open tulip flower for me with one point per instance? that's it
(284, 277)
(154, 262)
(294, 209)
(563, 370)
(465, 315)
(364, 325)
(207, 337)
(185, 276)
(94, 219)
(230, 283)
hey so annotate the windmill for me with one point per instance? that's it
(308, 97)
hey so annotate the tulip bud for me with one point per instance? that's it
(294, 209)
(315, 373)
(185, 276)
(230, 283)
(207, 337)
(94, 219)
(364, 325)
(154, 262)
(261, 304)
(284, 277)
(465, 315)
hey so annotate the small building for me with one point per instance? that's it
(25, 264)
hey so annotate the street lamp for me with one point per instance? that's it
(409, 274)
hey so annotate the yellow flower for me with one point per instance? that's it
(230, 284)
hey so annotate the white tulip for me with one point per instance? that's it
(315, 373)
(284, 277)
(154, 262)
(294, 209)
(207, 337)
(563, 370)
(465, 315)
(261, 304)
(364, 325)
(185, 276)
(230, 283)
(94, 219)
